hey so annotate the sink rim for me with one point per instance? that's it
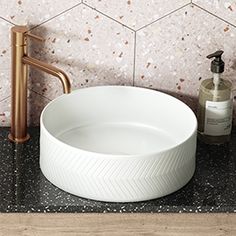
(118, 156)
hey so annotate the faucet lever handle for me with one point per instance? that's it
(35, 37)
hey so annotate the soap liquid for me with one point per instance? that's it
(216, 93)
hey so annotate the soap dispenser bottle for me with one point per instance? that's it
(215, 106)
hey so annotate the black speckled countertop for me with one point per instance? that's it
(23, 188)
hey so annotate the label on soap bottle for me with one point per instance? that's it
(218, 118)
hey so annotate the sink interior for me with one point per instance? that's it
(118, 138)
(119, 120)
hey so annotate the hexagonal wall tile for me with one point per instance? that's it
(171, 53)
(136, 14)
(91, 48)
(5, 60)
(33, 12)
(224, 9)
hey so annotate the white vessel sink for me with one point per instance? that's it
(118, 144)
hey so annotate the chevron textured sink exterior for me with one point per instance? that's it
(118, 144)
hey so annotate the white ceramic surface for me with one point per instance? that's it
(118, 144)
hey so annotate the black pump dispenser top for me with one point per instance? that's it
(217, 65)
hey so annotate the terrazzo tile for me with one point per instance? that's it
(7, 182)
(33, 12)
(91, 48)
(5, 112)
(5, 60)
(224, 9)
(136, 14)
(36, 103)
(95, 50)
(173, 58)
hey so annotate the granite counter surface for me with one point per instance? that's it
(23, 188)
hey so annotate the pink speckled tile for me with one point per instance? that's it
(33, 12)
(5, 112)
(5, 60)
(171, 54)
(91, 48)
(36, 103)
(224, 9)
(136, 14)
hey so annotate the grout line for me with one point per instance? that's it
(93, 8)
(5, 98)
(29, 90)
(134, 61)
(7, 20)
(164, 16)
(227, 22)
(39, 94)
(61, 13)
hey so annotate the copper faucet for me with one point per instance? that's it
(20, 62)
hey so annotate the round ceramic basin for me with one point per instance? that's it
(117, 143)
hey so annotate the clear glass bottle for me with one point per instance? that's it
(215, 105)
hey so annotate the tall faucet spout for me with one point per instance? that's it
(19, 78)
(52, 70)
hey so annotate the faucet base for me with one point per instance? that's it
(18, 140)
